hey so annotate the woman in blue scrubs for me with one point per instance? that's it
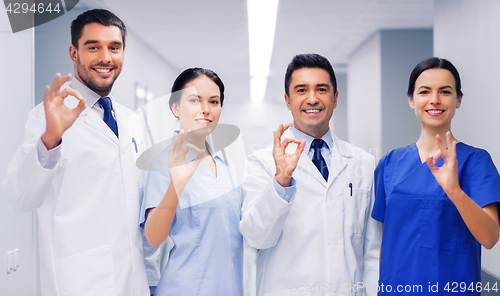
(438, 198)
(194, 200)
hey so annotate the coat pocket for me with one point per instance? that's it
(356, 203)
(86, 274)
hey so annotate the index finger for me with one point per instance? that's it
(59, 81)
(441, 145)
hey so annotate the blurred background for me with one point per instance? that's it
(372, 44)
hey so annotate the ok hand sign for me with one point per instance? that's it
(447, 175)
(59, 117)
(285, 163)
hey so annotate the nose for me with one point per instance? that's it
(204, 108)
(312, 99)
(105, 56)
(435, 100)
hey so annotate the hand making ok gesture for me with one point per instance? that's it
(285, 163)
(447, 175)
(57, 115)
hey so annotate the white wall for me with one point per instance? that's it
(467, 33)
(29, 62)
(364, 96)
(16, 98)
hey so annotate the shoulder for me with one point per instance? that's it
(473, 156)
(349, 149)
(262, 157)
(396, 154)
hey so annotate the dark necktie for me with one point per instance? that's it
(318, 159)
(108, 116)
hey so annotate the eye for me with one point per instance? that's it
(301, 90)
(214, 102)
(115, 48)
(193, 100)
(446, 92)
(322, 90)
(92, 47)
(423, 92)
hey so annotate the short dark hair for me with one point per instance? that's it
(309, 60)
(100, 16)
(189, 75)
(434, 63)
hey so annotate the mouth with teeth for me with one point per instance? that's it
(312, 111)
(434, 112)
(103, 71)
(203, 121)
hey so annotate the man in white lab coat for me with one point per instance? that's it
(307, 208)
(76, 168)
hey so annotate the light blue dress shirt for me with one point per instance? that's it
(288, 193)
(207, 257)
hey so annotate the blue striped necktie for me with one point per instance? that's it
(108, 116)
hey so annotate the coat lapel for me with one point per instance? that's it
(341, 155)
(94, 121)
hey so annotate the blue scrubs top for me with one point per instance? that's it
(207, 257)
(425, 240)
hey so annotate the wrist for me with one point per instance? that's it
(454, 193)
(284, 181)
(50, 141)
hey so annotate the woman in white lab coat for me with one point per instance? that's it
(193, 200)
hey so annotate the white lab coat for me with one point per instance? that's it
(324, 241)
(87, 206)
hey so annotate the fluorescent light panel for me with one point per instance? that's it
(261, 27)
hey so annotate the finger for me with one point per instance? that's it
(69, 91)
(451, 145)
(290, 140)
(276, 139)
(188, 147)
(453, 150)
(285, 127)
(431, 164)
(47, 94)
(438, 155)
(441, 145)
(300, 148)
(58, 82)
(81, 106)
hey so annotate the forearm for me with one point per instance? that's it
(481, 222)
(160, 219)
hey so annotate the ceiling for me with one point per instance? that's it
(214, 34)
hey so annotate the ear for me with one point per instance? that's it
(411, 102)
(335, 99)
(73, 54)
(459, 102)
(175, 109)
(287, 100)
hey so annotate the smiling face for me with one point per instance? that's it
(99, 57)
(312, 100)
(435, 98)
(199, 108)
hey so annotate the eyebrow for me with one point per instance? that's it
(96, 41)
(317, 85)
(442, 87)
(323, 85)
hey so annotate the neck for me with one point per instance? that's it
(427, 141)
(315, 133)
